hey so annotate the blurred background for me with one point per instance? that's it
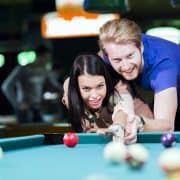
(67, 28)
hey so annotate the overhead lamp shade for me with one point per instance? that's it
(168, 33)
(26, 57)
(106, 6)
(55, 26)
(70, 8)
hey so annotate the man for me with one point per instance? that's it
(153, 62)
(24, 86)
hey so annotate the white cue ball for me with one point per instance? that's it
(1, 152)
(115, 152)
(169, 159)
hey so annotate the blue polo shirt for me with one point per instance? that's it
(161, 64)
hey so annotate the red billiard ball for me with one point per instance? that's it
(70, 139)
(168, 140)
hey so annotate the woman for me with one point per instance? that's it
(93, 102)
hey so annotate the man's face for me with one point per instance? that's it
(126, 59)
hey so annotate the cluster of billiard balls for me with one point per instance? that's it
(136, 154)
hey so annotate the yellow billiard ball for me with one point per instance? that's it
(174, 176)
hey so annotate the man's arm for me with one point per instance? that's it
(165, 106)
(8, 86)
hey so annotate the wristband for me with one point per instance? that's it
(140, 124)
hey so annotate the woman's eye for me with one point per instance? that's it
(86, 89)
(100, 86)
(117, 60)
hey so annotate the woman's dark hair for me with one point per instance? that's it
(85, 64)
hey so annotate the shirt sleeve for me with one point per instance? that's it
(164, 76)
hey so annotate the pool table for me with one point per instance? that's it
(44, 157)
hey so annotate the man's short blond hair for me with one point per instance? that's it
(120, 31)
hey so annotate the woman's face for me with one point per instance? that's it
(92, 89)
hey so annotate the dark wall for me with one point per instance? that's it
(65, 50)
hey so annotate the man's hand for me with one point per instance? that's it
(127, 121)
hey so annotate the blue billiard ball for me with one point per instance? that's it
(168, 139)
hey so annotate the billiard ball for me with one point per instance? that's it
(1, 152)
(174, 176)
(168, 140)
(70, 139)
(169, 160)
(115, 152)
(137, 155)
